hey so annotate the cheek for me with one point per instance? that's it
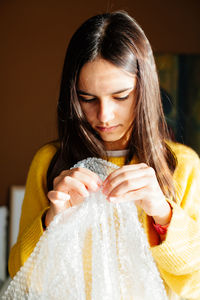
(127, 113)
(88, 111)
(127, 109)
(131, 113)
(132, 109)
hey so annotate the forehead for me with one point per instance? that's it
(102, 77)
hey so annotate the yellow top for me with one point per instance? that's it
(178, 257)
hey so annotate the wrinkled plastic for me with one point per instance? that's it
(97, 250)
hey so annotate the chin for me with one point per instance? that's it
(112, 140)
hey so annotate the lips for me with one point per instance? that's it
(107, 128)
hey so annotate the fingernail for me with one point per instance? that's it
(99, 182)
(112, 199)
(94, 186)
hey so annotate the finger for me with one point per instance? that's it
(129, 186)
(89, 181)
(124, 169)
(68, 184)
(125, 181)
(136, 196)
(58, 196)
(59, 201)
(121, 173)
(83, 171)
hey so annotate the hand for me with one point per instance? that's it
(70, 188)
(138, 183)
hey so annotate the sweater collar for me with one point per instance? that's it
(117, 153)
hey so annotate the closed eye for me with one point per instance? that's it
(87, 100)
(81, 98)
(121, 98)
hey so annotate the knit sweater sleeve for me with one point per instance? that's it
(178, 257)
(34, 205)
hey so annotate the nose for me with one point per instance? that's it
(105, 111)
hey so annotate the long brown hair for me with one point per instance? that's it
(117, 38)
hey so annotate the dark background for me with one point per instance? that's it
(33, 39)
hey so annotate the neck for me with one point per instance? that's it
(121, 144)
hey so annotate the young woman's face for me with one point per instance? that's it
(107, 98)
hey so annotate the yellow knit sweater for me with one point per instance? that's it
(178, 257)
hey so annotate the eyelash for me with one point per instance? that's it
(121, 98)
(94, 99)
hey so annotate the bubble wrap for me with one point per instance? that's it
(96, 250)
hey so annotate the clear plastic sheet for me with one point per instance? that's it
(97, 250)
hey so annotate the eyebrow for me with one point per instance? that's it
(114, 93)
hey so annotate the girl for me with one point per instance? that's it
(110, 107)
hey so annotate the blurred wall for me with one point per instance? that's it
(33, 39)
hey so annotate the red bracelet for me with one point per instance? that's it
(161, 229)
